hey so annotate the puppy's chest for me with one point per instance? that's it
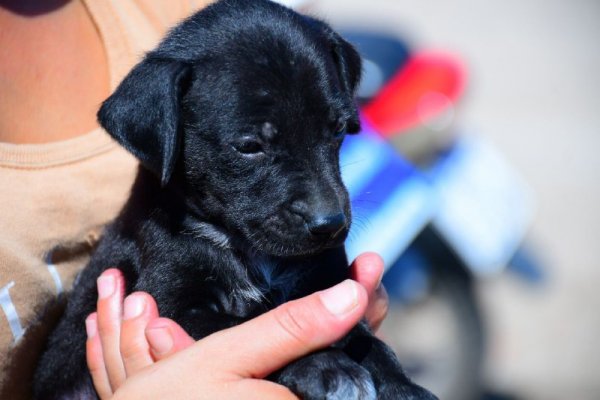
(272, 282)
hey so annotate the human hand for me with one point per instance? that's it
(127, 339)
(367, 269)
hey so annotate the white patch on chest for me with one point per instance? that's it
(270, 279)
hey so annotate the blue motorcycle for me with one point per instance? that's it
(442, 207)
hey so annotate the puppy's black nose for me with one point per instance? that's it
(327, 225)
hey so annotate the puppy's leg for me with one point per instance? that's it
(62, 371)
(385, 370)
(329, 374)
(358, 367)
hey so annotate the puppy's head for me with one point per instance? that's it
(245, 105)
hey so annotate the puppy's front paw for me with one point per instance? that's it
(404, 391)
(329, 375)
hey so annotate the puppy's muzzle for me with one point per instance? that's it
(322, 211)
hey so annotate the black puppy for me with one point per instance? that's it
(237, 118)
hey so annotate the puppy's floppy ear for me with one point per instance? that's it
(143, 113)
(349, 68)
(348, 62)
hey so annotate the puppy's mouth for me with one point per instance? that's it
(278, 238)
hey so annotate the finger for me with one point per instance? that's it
(166, 337)
(265, 344)
(94, 358)
(138, 309)
(111, 287)
(377, 308)
(367, 269)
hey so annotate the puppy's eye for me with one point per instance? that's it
(249, 146)
(340, 129)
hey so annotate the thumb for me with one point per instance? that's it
(166, 337)
(268, 342)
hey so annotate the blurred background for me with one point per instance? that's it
(533, 93)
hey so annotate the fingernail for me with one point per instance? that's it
(133, 307)
(106, 285)
(340, 299)
(379, 279)
(91, 326)
(160, 339)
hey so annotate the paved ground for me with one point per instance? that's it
(535, 92)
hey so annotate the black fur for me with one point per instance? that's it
(237, 118)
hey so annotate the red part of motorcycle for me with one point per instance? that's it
(429, 84)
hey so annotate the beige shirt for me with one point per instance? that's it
(56, 197)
